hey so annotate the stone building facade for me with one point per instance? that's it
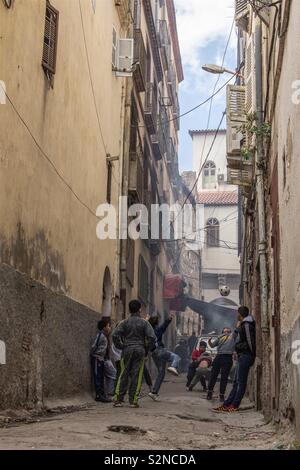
(267, 171)
(90, 115)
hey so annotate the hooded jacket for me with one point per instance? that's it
(134, 332)
(100, 347)
(246, 340)
(225, 343)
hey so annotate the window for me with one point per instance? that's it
(143, 281)
(209, 175)
(50, 40)
(213, 232)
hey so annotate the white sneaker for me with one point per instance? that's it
(154, 396)
(173, 371)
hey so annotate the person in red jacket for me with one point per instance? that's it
(194, 364)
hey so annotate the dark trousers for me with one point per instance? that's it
(98, 376)
(222, 363)
(147, 376)
(131, 374)
(245, 362)
(202, 376)
(191, 373)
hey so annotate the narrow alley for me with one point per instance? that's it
(180, 421)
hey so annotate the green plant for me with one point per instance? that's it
(250, 126)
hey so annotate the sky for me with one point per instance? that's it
(203, 29)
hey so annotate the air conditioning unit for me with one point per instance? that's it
(221, 178)
(242, 14)
(236, 117)
(124, 63)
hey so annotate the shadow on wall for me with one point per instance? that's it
(47, 338)
(35, 257)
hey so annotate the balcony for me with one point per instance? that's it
(151, 109)
(171, 82)
(240, 172)
(165, 43)
(176, 113)
(140, 61)
(170, 152)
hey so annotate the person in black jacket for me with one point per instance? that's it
(246, 350)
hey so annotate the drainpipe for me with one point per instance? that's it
(260, 184)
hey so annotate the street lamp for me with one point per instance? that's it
(217, 69)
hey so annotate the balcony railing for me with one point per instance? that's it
(151, 108)
(140, 61)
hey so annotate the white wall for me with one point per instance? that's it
(222, 259)
(217, 155)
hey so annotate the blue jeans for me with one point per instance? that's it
(161, 358)
(245, 362)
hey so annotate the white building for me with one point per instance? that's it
(220, 261)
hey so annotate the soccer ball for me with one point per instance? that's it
(224, 291)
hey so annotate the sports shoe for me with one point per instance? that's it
(220, 409)
(118, 404)
(232, 409)
(154, 396)
(222, 398)
(173, 371)
(134, 405)
(103, 399)
(209, 396)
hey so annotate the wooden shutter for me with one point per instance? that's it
(50, 39)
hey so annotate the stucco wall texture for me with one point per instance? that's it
(48, 339)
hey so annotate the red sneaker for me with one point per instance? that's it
(220, 409)
(232, 409)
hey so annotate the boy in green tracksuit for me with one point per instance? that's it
(135, 337)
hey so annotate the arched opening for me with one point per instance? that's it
(213, 232)
(107, 292)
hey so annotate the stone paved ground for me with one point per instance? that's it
(181, 420)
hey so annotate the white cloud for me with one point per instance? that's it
(201, 22)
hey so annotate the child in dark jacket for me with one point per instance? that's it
(100, 354)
